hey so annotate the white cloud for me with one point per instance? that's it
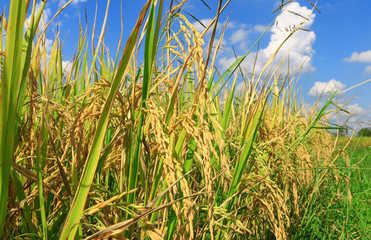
(368, 70)
(239, 36)
(67, 66)
(226, 62)
(364, 57)
(360, 116)
(260, 28)
(61, 3)
(206, 21)
(48, 49)
(78, 1)
(299, 45)
(48, 45)
(320, 88)
(198, 26)
(240, 88)
(355, 109)
(232, 24)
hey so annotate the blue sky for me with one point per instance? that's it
(337, 49)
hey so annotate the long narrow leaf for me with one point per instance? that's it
(9, 91)
(70, 227)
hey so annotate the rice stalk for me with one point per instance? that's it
(176, 152)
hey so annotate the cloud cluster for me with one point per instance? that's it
(299, 46)
(200, 26)
(368, 69)
(359, 117)
(364, 57)
(260, 28)
(354, 116)
(361, 57)
(323, 88)
(61, 3)
(298, 49)
(355, 109)
(240, 37)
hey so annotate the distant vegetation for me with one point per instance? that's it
(364, 132)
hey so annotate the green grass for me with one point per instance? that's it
(355, 143)
(343, 209)
(358, 210)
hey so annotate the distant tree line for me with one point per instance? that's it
(364, 132)
(344, 131)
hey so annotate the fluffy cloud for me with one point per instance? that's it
(359, 118)
(61, 3)
(355, 109)
(198, 26)
(231, 25)
(78, 1)
(67, 66)
(363, 57)
(239, 36)
(320, 88)
(299, 46)
(234, 24)
(49, 45)
(260, 28)
(368, 70)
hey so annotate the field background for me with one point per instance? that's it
(152, 141)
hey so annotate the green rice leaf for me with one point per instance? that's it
(70, 227)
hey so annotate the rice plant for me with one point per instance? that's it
(168, 149)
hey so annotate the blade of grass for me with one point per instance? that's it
(27, 44)
(70, 227)
(39, 166)
(30, 34)
(149, 56)
(9, 91)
